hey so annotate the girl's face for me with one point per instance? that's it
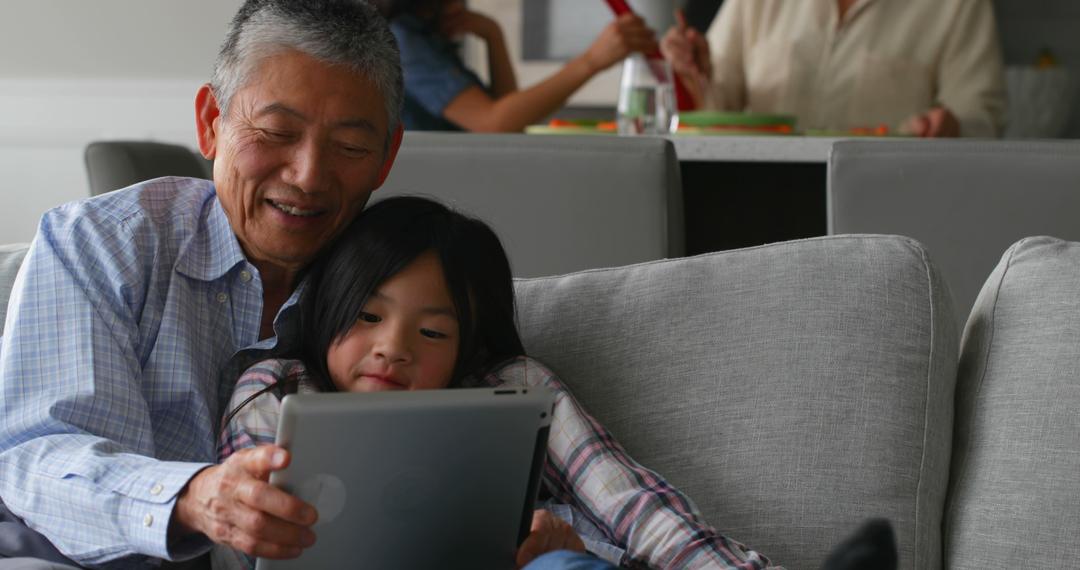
(407, 336)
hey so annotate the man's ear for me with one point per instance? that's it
(391, 155)
(207, 113)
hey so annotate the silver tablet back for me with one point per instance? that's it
(404, 480)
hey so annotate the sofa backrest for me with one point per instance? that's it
(11, 257)
(792, 390)
(1014, 499)
(558, 203)
(965, 201)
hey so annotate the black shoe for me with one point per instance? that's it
(872, 547)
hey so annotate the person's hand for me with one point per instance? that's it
(688, 52)
(686, 49)
(547, 534)
(234, 504)
(457, 21)
(937, 122)
(626, 35)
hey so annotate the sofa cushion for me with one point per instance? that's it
(11, 257)
(792, 390)
(1014, 498)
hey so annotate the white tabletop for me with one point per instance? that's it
(753, 148)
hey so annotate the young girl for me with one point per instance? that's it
(442, 94)
(414, 296)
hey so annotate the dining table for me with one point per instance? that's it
(742, 186)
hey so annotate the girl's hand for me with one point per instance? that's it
(627, 34)
(548, 533)
(456, 21)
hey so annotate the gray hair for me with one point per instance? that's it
(351, 33)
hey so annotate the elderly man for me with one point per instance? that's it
(129, 305)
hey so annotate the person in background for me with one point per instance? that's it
(917, 67)
(442, 94)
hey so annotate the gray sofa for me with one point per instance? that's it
(796, 389)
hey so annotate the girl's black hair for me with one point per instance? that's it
(383, 240)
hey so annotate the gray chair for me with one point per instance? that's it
(117, 164)
(559, 204)
(965, 201)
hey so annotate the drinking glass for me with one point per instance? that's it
(647, 97)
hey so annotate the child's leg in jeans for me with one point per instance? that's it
(567, 560)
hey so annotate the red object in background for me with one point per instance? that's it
(682, 94)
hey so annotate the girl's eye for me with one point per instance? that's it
(369, 318)
(432, 334)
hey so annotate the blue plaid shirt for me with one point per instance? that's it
(126, 311)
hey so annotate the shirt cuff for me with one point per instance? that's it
(148, 507)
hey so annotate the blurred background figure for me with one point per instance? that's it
(918, 67)
(441, 93)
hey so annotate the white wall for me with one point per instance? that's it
(602, 90)
(75, 71)
(1028, 27)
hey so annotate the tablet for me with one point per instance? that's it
(423, 479)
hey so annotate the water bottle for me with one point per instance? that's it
(647, 97)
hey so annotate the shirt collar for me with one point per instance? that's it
(213, 250)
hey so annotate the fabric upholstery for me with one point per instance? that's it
(1015, 490)
(11, 257)
(793, 390)
(965, 201)
(559, 204)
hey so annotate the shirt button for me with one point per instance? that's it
(245, 276)
(156, 489)
(148, 520)
(222, 297)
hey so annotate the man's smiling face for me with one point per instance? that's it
(299, 151)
